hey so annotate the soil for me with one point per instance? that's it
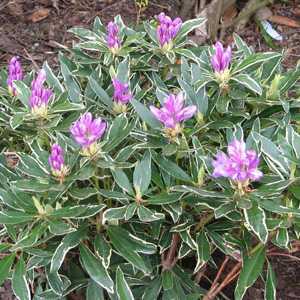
(36, 31)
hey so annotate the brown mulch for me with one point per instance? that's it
(291, 36)
(34, 29)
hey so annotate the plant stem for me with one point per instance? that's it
(203, 221)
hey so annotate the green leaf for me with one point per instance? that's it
(152, 290)
(272, 152)
(52, 80)
(78, 212)
(118, 131)
(122, 287)
(252, 267)
(128, 247)
(256, 220)
(272, 206)
(95, 269)
(103, 250)
(270, 285)
(16, 120)
(58, 283)
(203, 250)
(241, 45)
(94, 291)
(31, 167)
(70, 241)
(84, 33)
(115, 213)
(282, 237)
(29, 238)
(81, 194)
(167, 279)
(200, 192)
(122, 181)
(164, 198)
(123, 70)
(147, 215)
(5, 265)
(289, 80)
(151, 32)
(248, 82)
(145, 114)
(187, 27)
(35, 185)
(73, 87)
(171, 168)
(19, 283)
(142, 174)
(14, 217)
(64, 105)
(100, 92)
(58, 227)
(23, 92)
(254, 60)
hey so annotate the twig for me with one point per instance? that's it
(220, 271)
(31, 59)
(284, 254)
(228, 279)
(169, 261)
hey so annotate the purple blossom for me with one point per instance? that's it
(239, 164)
(121, 92)
(56, 158)
(86, 130)
(167, 29)
(221, 59)
(14, 73)
(40, 96)
(173, 111)
(113, 39)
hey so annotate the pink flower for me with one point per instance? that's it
(167, 29)
(173, 111)
(14, 73)
(40, 96)
(86, 130)
(56, 158)
(121, 92)
(113, 39)
(221, 59)
(240, 165)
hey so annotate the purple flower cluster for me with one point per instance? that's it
(86, 131)
(121, 92)
(240, 165)
(14, 73)
(167, 29)
(113, 39)
(221, 59)
(56, 158)
(39, 98)
(57, 162)
(173, 111)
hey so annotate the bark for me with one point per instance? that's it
(186, 8)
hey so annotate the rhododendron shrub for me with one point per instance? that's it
(127, 170)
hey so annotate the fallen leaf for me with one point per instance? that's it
(284, 21)
(39, 15)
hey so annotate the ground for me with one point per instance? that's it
(34, 30)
